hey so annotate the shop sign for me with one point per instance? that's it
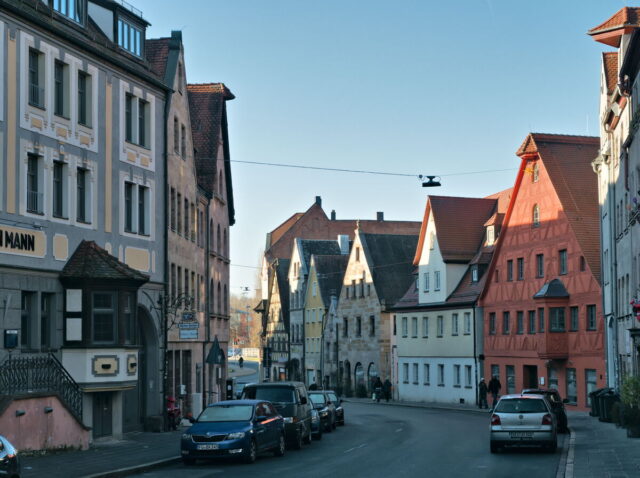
(23, 242)
(188, 334)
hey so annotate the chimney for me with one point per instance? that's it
(380, 216)
(343, 242)
(319, 201)
(333, 215)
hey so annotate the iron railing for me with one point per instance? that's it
(40, 374)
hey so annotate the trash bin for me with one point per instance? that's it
(596, 410)
(607, 399)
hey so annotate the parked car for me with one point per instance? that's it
(9, 460)
(325, 407)
(234, 428)
(523, 420)
(316, 425)
(557, 403)
(337, 401)
(292, 402)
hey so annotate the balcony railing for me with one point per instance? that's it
(26, 375)
(34, 202)
(36, 95)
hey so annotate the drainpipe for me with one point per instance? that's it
(303, 360)
(163, 326)
(475, 355)
(207, 306)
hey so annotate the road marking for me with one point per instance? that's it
(398, 430)
(355, 448)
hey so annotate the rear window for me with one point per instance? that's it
(521, 405)
(317, 398)
(333, 398)
(272, 394)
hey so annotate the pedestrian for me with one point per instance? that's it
(386, 386)
(482, 394)
(377, 389)
(494, 389)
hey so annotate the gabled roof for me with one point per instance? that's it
(91, 262)
(553, 289)
(207, 108)
(610, 64)
(282, 272)
(610, 31)
(457, 244)
(318, 247)
(157, 52)
(329, 272)
(389, 257)
(410, 299)
(466, 290)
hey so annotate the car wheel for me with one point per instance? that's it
(307, 438)
(189, 461)
(279, 450)
(342, 422)
(252, 453)
(494, 447)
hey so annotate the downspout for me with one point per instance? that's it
(475, 356)
(303, 360)
(164, 326)
(207, 307)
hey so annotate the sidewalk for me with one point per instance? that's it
(107, 458)
(441, 406)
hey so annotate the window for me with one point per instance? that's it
(425, 326)
(506, 326)
(104, 317)
(34, 196)
(415, 374)
(536, 173)
(26, 319)
(143, 124)
(128, 206)
(563, 261)
(183, 141)
(61, 82)
(372, 325)
(137, 132)
(405, 373)
(511, 379)
(491, 235)
(456, 375)
(405, 331)
(358, 327)
(128, 118)
(539, 265)
(532, 321)
(357, 254)
(572, 386)
(414, 327)
(59, 186)
(553, 378)
(574, 318)
(520, 268)
(535, 216)
(129, 319)
(467, 376)
(591, 317)
(440, 326)
(345, 327)
(186, 218)
(440, 375)
(36, 78)
(46, 320)
(541, 320)
(81, 195)
(583, 264)
(467, 323)
(590, 383)
(143, 220)
(454, 324)
(432, 240)
(130, 37)
(84, 98)
(173, 209)
(72, 9)
(436, 277)
(427, 374)
(510, 270)
(426, 281)
(176, 135)
(492, 323)
(495, 371)
(474, 273)
(556, 318)
(520, 322)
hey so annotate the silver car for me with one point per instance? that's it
(523, 420)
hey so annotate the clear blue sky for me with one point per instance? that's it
(408, 86)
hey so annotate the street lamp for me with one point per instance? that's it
(431, 181)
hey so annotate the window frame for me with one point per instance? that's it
(563, 262)
(114, 316)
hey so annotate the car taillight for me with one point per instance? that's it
(547, 420)
(495, 420)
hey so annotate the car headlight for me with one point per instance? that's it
(288, 419)
(235, 436)
(186, 436)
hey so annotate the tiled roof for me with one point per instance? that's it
(623, 21)
(503, 197)
(554, 289)
(610, 63)
(157, 52)
(410, 299)
(330, 271)
(90, 261)
(282, 272)
(467, 291)
(568, 162)
(318, 247)
(389, 257)
(278, 232)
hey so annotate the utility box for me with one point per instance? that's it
(10, 339)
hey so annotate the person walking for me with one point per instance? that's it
(386, 387)
(494, 389)
(482, 394)
(377, 388)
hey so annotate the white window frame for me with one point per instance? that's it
(414, 327)
(427, 374)
(456, 375)
(454, 324)
(416, 378)
(436, 277)
(441, 375)
(440, 325)
(425, 280)
(425, 327)
(467, 323)
(405, 373)
(405, 327)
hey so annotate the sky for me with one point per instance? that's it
(405, 86)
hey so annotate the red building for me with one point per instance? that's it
(542, 313)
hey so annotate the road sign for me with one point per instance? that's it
(188, 334)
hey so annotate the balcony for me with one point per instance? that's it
(553, 346)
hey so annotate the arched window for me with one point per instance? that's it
(211, 245)
(536, 173)
(535, 219)
(219, 307)
(226, 300)
(218, 242)
(211, 309)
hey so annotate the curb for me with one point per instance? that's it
(135, 469)
(568, 470)
(420, 405)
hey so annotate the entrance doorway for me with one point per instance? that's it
(530, 376)
(102, 414)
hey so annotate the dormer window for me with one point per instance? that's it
(71, 9)
(491, 235)
(474, 273)
(130, 37)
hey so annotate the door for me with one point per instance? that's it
(261, 427)
(530, 376)
(102, 414)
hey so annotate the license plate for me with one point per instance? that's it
(208, 447)
(521, 434)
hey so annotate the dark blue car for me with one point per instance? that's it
(237, 428)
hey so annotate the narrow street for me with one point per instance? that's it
(392, 441)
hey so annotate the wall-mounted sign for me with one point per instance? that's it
(188, 325)
(188, 334)
(188, 316)
(22, 242)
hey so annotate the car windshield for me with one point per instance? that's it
(317, 398)
(521, 405)
(333, 398)
(226, 413)
(272, 394)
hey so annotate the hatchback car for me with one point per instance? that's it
(337, 401)
(9, 461)
(316, 425)
(235, 428)
(523, 420)
(557, 404)
(325, 407)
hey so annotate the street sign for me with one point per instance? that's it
(188, 325)
(187, 316)
(188, 334)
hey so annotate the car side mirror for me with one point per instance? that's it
(303, 400)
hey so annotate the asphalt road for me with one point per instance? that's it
(390, 441)
(248, 373)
